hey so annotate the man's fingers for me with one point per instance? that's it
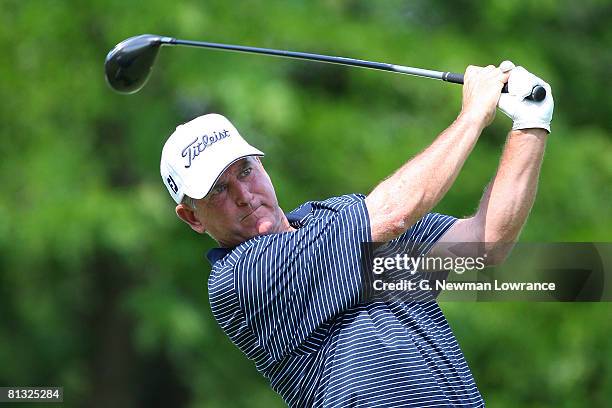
(505, 76)
(488, 71)
(506, 66)
(471, 70)
(521, 82)
(497, 74)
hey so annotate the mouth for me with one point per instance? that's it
(249, 214)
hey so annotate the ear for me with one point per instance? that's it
(188, 215)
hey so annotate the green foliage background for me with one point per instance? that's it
(103, 290)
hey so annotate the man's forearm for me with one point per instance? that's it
(414, 189)
(508, 199)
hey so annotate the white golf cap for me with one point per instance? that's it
(198, 152)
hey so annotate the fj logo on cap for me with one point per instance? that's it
(172, 184)
(193, 149)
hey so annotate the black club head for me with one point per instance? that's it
(128, 65)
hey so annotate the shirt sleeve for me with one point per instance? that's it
(417, 241)
(288, 284)
(424, 234)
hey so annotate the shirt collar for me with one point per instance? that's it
(216, 254)
(297, 219)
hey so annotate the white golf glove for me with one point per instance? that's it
(524, 112)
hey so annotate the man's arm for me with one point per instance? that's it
(507, 200)
(413, 190)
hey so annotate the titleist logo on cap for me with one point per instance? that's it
(193, 149)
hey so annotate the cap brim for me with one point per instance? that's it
(200, 188)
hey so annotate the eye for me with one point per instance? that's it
(246, 172)
(218, 189)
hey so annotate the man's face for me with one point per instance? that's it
(241, 205)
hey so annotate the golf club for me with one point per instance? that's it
(128, 65)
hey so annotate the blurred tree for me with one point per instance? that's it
(103, 291)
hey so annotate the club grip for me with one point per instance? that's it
(538, 93)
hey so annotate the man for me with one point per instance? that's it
(286, 289)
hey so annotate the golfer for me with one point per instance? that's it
(287, 288)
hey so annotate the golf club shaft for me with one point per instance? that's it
(314, 57)
(426, 73)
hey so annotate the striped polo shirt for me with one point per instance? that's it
(293, 303)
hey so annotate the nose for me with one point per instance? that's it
(242, 195)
